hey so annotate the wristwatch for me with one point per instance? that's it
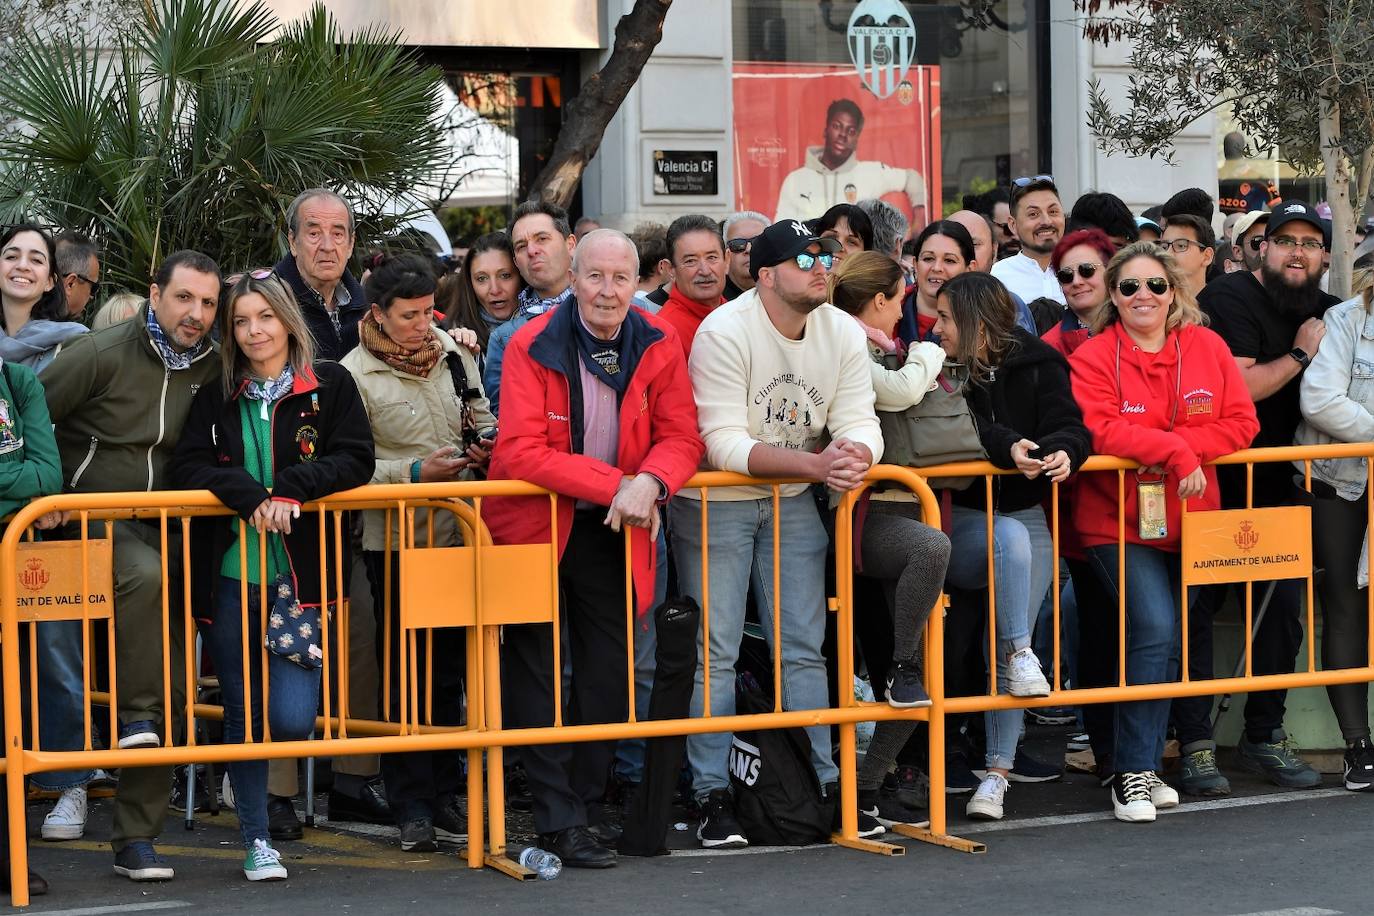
(1301, 356)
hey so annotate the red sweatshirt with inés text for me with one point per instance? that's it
(1131, 399)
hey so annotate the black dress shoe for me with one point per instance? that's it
(282, 823)
(577, 848)
(607, 835)
(370, 808)
(37, 886)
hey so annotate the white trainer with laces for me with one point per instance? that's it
(1024, 677)
(67, 819)
(986, 803)
(1162, 795)
(1131, 798)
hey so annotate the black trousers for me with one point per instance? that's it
(1098, 648)
(565, 778)
(1338, 528)
(415, 781)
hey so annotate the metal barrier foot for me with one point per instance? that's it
(863, 845)
(949, 841)
(509, 866)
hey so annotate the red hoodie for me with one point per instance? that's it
(1129, 417)
(685, 316)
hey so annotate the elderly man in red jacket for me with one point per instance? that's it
(592, 393)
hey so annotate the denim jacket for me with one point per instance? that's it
(1337, 396)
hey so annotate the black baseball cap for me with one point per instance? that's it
(783, 241)
(1289, 211)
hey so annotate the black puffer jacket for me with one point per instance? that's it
(1028, 397)
(321, 444)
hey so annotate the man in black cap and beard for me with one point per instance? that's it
(1271, 318)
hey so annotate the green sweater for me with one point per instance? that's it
(29, 465)
(257, 461)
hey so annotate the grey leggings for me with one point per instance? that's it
(1337, 533)
(910, 557)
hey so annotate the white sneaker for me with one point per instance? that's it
(67, 819)
(263, 863)
(1162, 795)
(986, 803)
(226, 791)
(1131, 798)
(1024, 677)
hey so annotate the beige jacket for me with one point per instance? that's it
(411, 417)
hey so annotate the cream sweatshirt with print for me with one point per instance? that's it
(754, 385)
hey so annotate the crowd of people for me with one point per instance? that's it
(609, 368)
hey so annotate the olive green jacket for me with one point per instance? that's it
(118, 410)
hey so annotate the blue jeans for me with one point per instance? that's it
(293, 694)
(1023, 558)
(1152, 646)
(61, 713)
(629, 755)
(741, 552)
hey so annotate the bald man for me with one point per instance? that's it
(985, 253)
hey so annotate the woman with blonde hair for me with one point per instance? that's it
(281, 430)
(1158, 388)
(893, 545)
(1337, 400)
(118, 308)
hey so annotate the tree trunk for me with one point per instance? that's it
(1338, 179)
(636, 35)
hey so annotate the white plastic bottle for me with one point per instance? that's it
(542, 862)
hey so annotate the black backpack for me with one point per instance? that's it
(777, 799)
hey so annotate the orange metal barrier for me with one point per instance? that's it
(481, 586)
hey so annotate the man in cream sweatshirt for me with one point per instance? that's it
(773, 372)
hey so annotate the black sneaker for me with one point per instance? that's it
(887, 809)
(139, 861)
(518, 796)
(450, 826)
(418, 836)
(959, 778)
(910, 786)
(1359, 766)
(904, 687)
(718, 828)
(177, 798)
(1025, 768)
(868, 825)
(282, 823)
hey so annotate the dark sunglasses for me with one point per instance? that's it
(261, 273)
(739, 246)
(1255, 241)
(1130, 286)
(93, 284)
(1085, 270)
(1027, 180)
(806, 260)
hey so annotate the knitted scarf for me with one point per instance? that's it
(412, 362)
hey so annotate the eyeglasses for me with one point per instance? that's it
(261, 273)
(1130, 286)
(741, 245)
(93, 284)
(1287, 243)
(806, 260)
(1178, 246)
(1085, 270)
(1027, 180)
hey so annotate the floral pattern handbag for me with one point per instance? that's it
(293, 631)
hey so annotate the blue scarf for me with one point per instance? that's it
(531, 304)
(172, 358)
(268, 391)
(603, 357)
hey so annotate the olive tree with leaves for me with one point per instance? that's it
(193, 131)
(1297, 74)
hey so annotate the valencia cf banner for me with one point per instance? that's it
(809, 136)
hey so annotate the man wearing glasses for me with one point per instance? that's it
(1247, 235)
(740, 230)
(832, 174)
(78, 266)
(1192, 242)
(773, 372)
(1271, 318)
(1037, 217)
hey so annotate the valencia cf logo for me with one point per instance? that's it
(882, 43)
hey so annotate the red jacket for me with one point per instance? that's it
(1129, 417)
(1067, 335)
(684, 315)
(658, 433)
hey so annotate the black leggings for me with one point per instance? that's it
(1338, 528)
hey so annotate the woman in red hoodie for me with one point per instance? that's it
(1158, 388)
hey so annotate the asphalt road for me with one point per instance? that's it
(1262, 851)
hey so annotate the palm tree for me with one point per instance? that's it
(194, 131)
